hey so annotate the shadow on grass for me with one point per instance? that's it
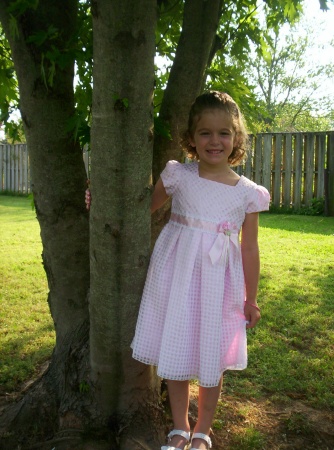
(291, 350)
(21, 356)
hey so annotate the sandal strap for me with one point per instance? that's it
(203, 436)
(168, 447)
(182, 433)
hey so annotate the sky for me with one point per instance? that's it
(318, 25)
(322, 22)
(322, 52)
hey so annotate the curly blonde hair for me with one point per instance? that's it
(223, 102)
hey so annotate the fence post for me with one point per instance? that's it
(287, 171)
(297, 165)
(266, 161)
(330, 174)
(319, 183)
(309, 168)
(7, 168)
(258, 158)
(276, 171)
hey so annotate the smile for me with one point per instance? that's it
(214, 152)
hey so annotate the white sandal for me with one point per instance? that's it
(184, 434)
(203, 436)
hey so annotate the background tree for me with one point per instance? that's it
(9, 93)
(45, 39)
(289, 86)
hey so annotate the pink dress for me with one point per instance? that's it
(191, 323)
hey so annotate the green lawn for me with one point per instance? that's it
(26, 330)
(291, 352)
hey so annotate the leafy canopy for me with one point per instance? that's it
(243, 24)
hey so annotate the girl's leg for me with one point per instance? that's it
(178, 392)
(207, 402)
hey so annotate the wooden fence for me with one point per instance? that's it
(14, 168)
(295, 167)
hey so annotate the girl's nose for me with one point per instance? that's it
(215, 138)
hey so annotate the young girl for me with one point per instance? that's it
(201, 287)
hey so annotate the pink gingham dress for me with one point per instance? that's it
(191, 323)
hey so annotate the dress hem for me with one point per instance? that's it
(166, 376)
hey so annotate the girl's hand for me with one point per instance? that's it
(252, 314)
(88, 197)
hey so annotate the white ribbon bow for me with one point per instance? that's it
(220, 248)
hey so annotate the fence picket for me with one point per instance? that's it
(287, 170)
(8, 186)
(257, 159)
(266, 162)
(309, 168)
(276, 172)
(248, 163)
(297, 175)
(17, 167)
(320, 165)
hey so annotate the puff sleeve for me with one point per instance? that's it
(258, 199)
(170, 176)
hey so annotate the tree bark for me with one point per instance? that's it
(200, 24)
(122, 141)
(58, 183)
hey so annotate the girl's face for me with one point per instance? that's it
(213, 137)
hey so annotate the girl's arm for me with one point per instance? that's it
(159, 196)
(251, 266)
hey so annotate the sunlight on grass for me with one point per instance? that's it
(26, 328)
(249, 439)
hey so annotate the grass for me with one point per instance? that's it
(291, 352)
(26, 329)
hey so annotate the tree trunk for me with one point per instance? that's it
(200, 24)
(122, 141)
(58, 184)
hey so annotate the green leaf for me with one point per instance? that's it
(40, 37)
(19, 7)
(162, 128)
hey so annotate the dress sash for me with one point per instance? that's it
(227, 234)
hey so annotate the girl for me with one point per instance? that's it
(201, 287)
